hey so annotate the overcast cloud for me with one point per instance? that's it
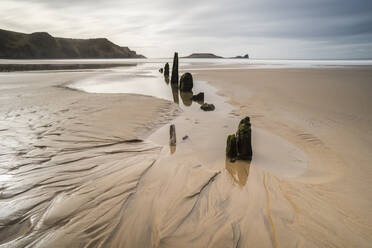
(156, 28)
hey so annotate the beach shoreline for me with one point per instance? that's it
(57, 67)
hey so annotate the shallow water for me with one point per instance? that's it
(76, 178)
(238, 63)
(206, 131)
(74, 173)
(144, 79)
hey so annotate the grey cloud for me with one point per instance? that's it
(308, 28)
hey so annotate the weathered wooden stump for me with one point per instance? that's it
(166, 70)
(199, 97)
(174, 78)
(243, 139)
(207, 107)
(231, 147)
(186, 82)
(239, 146)
(172, 135)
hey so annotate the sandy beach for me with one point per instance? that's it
(326, 113)
(92, 169)
(185, 124)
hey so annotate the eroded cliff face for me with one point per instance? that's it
(42, 45)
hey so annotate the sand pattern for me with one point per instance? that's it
(66, 172)
(73, 173)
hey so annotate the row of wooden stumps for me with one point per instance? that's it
(184, 84)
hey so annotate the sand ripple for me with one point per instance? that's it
(67, 174)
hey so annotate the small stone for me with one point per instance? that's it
(185, 137)
(207, 107)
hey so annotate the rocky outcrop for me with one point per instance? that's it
(199, 97)
(242, 57)
(239, 146)
(166, 70)
(174, 79)
(186, 82)
(42, 45)
(207, 107)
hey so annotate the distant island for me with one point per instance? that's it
(213, 56)
(41, 45)
(203, 56)
(242, 57)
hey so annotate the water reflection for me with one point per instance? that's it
(175, 93)
(239, 170)
(166, 79)
(186, 98)
(144, 80)
(172, 149)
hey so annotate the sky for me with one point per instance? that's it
(286, 29)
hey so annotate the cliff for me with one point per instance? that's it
(42, 45)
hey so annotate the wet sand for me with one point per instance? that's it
(70, 161)
(95, 170)
(60, 66)
(327, 114)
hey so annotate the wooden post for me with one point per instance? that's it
(172, 134)
(174, 79)
(166, 70)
